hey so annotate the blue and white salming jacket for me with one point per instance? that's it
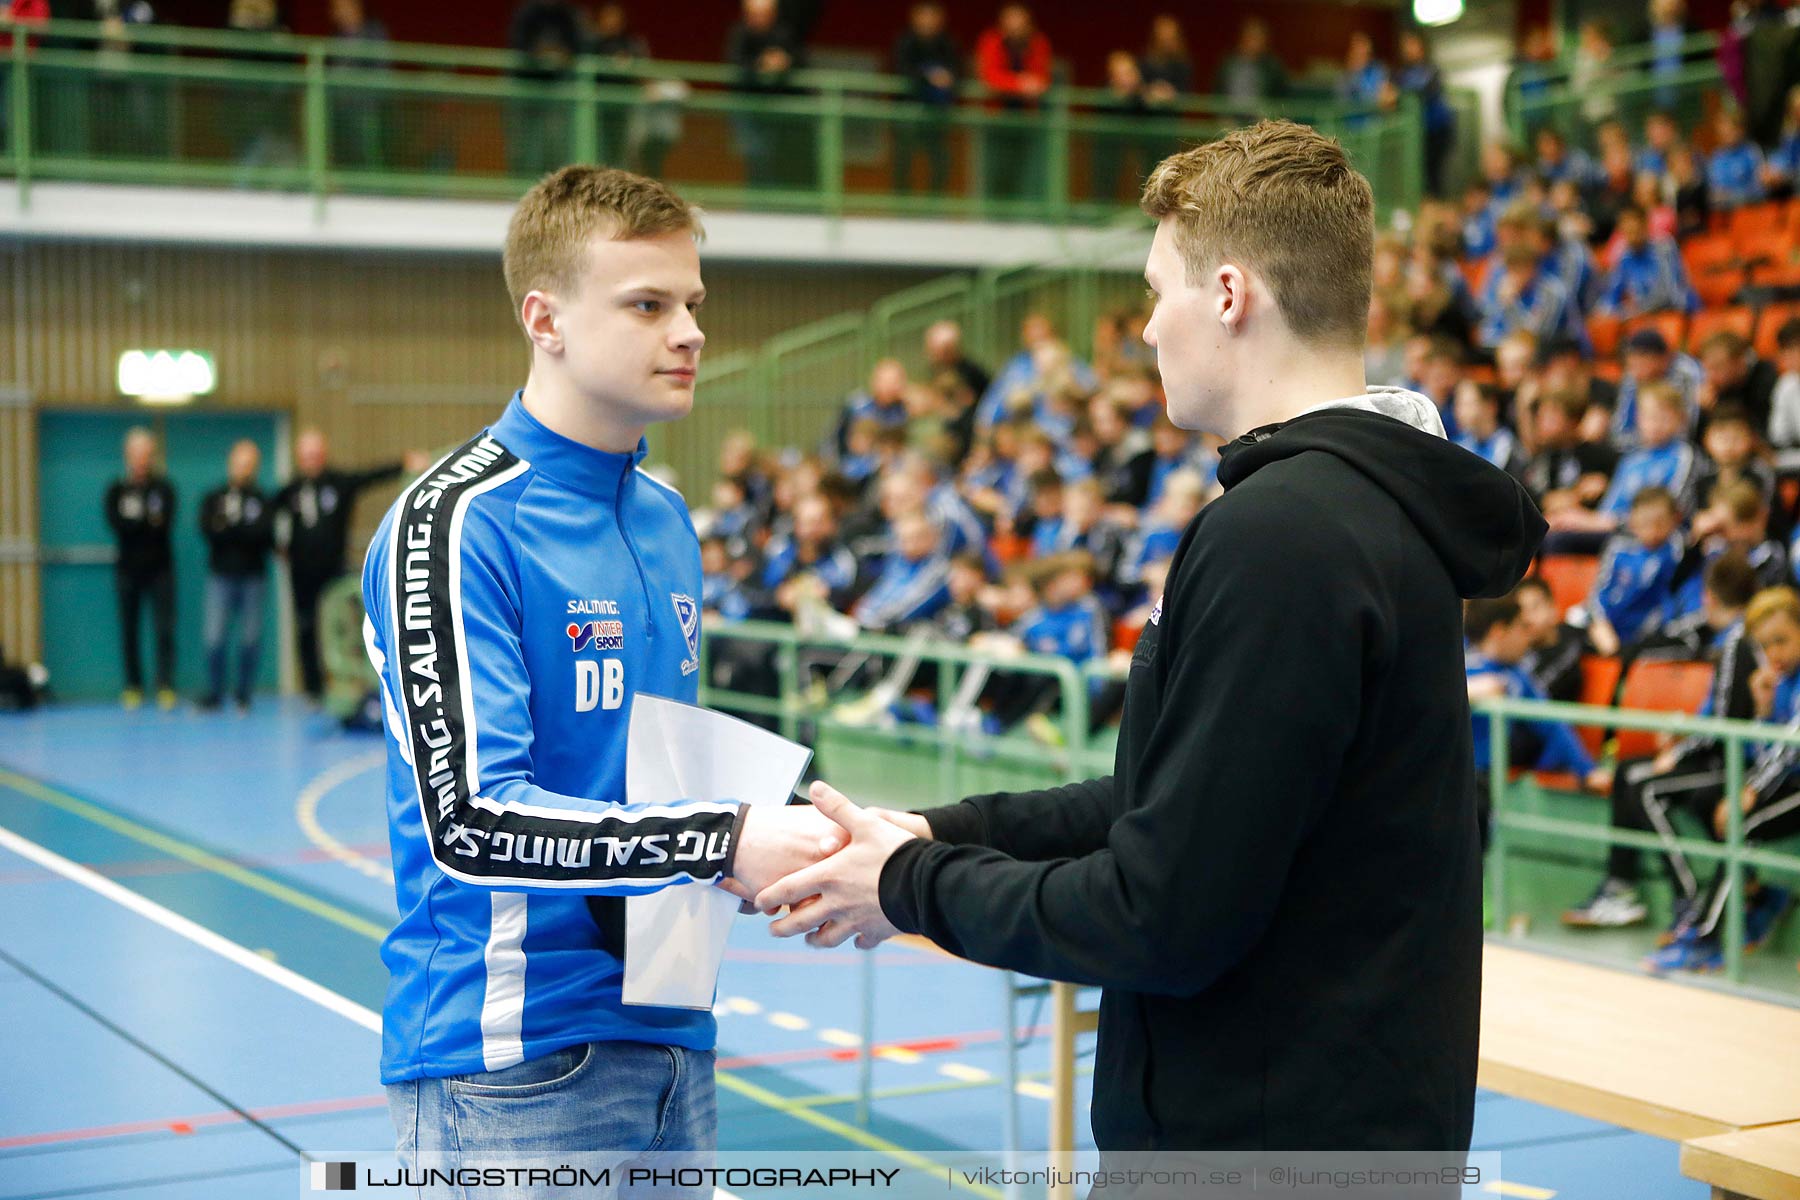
(519, 594)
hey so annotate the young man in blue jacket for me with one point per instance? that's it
(519, 594)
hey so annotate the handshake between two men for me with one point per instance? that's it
(823, 864)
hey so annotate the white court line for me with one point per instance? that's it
(198, 934)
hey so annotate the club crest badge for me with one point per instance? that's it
(688, 613)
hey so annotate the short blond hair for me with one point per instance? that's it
(548, 236)
(1771, 602)
(1282, 200)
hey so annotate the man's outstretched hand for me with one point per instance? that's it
(776, 842)
(839, 897)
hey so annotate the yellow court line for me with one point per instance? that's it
(204, 859)
(850, 1133)
(208, 861)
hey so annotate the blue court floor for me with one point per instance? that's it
(189, 976)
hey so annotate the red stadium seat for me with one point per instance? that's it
(1570, 576)
(1660, 686)
(1738, 319)
(1125, 632)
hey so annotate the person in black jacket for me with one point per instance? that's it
(1279, 886)
(237, 521)
(776, 147)
(929, 60)
(312, 523)
(139, 508)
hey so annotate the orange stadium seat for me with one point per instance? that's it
(1713, 267)
(1125, 632)
(1770, 323)
(1599, 682)
(1757, 228)
(1738, 319)
(1570, 576)
(1660, 686)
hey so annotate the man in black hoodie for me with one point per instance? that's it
(1279, 886)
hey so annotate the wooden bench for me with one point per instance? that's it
(1761, 1163)
(1663, 1058)
(1656, 1056)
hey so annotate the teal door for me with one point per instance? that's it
(79, 455)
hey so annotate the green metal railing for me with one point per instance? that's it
(1628, 91)
(187, 106)
(1017, 761)
(1733, 852)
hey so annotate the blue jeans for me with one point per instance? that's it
(610, 1103)
(229, 599)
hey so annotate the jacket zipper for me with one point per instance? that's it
(643, 579)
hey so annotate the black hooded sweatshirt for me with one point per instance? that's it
(1279, 888)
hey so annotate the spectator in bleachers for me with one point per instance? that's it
(1364, 76)
(1532, 70)
(637, 133)
(262, 126)
(1524, 296)
(1688, 192)
(810, 562)
(1167, 65)
(1441, 368)
(1566, 471)
(944, 351)
(548, 36)
(1564, 254)
(1631, 595)
(1648, 360)
(1068, 622)
(1782, 167)
(1022, 380)
(1649, 275)
(1502, 175)
(1731, 443)
(882, 402)
(1662, 135)
(1554, 660)
(739, 461)
(1668, 37)
(1478, 427)
(1014, 60)
(928, 58)
(1113, 149)
(1687, 774)
(1384, 352)
(725, 571)
(1478, 236)
(1593, 76)
(1165, 519)
(1735, 521)
(1251, 76)
(1084, 525)
(358, 118)
(1564, 364)
(1734, 170)
(913, 582)
(958, 527)
(1498, 640)
(1769, 803)
(1664, 459)
(1556, 159)
(1436, 304)
(1419, 76)
(776, 148)
(1784, 402)
(1732, 374)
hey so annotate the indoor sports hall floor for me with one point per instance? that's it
(189, 980)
